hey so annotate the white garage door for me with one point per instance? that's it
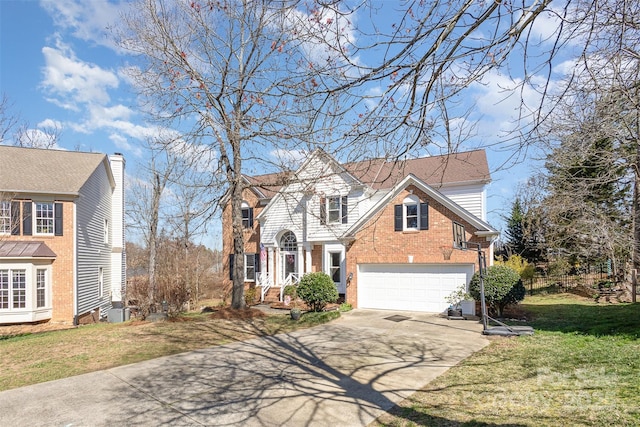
(412, 287)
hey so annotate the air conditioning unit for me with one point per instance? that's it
(118, 315)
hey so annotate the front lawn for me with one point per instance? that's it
(582, 367)
(47, 356)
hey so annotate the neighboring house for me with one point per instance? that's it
(61, 235)
(384, 231)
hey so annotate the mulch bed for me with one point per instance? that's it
(229, 313)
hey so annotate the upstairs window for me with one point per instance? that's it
(44, 218)
(411, 215)
(5, 217)
(247, 215)
(333, 210)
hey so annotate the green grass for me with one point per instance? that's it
(33, 358)
(581, 367)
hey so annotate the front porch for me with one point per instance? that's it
(268, 286)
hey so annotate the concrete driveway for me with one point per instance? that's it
(345, 373)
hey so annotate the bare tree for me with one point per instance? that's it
(7, 120)
(45, 136)
(145, 212)
(251, 79)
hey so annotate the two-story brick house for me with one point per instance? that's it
(384, 231)
(61, 235)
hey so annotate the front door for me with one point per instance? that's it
(334, 265)
(288, 264)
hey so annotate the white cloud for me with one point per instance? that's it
(50, 123)
(87, 20)
(290, 159)
(123, 144)
(72, 81)
(38, 138)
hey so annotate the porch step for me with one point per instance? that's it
(273, 295)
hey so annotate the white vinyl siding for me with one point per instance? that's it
(470, 198)
(92, 207)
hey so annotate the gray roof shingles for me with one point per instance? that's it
(33, 170)
(437, 171)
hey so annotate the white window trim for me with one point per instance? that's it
(34, 215)
(245, 207)
(45, 288)
(106, 231)
(338, 219)
(5, 213)
(100, 282)
(251, 256)
(328, 250)
(410, 201)
(31, 297)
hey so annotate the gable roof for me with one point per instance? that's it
(436, 171)
(36, 170)
(467, 167)
(484, 229)
(291, 177)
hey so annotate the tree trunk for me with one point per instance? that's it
(157, 188)
(636, 211)
(237, 293)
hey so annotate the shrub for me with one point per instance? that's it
(345, 306)
(316, 290)
(521, 265)
(250, 296)
(499, 281)
(290, 290)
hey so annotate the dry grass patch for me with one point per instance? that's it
(34, 358)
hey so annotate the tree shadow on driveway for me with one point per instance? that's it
(336, 374)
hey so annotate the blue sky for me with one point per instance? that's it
(59, 68)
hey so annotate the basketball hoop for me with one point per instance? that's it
(446, 252)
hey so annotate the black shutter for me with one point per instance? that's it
(15, 218)
(57, 219)
(344, 209)
(397, 220)
(250, 217)
(323, 211)
(26, 219)
(256, 264)
(231, 266)
(424, 216)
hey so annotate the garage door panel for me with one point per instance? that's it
(415, 287)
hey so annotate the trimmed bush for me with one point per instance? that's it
(502, 286)
(317, 290)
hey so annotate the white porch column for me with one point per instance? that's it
(300, 261)
(271, 265)
(308, 248)
(276, 269)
